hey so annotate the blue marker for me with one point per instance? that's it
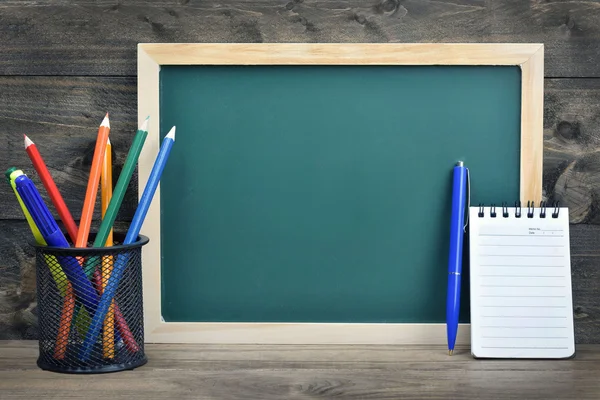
(456, 249)
(132, 235)
(54, 237)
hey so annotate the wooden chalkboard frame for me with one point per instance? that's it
(530, 59)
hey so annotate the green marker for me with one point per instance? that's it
(118, 193)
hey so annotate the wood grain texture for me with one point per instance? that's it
(18, 319)
(61, 115)
(307, 372)
(571, 146)
(53, 37)
(352, 54)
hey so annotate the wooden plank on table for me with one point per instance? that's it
(308, 372)
(17, 281)
(62, 115)
(53, 37)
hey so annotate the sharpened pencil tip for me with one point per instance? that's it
(450, 352)
(27, 141)
(144, 126)
(108, 141)
(171, 133)
(105, 122)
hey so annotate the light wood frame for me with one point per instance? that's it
(529, 57)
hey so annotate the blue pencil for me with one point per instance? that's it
(456, 249)
(132, 235)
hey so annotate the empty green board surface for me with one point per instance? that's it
(322, 193)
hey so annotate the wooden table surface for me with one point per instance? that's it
(306, 372)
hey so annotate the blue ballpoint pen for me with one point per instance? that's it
(456, 251)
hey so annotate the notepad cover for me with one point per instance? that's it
(520, 284)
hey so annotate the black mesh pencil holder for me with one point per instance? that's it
(90, 307)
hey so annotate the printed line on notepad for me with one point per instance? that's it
(522, 266)
(521, 316)
(525, 327)
(524, 347)
(525, 297)
(522, 276)
(503, 306)
(524, 286)
(521, 245)
(532, 236)
(525, 337)
(519, 255)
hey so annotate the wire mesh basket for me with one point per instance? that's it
(77, 334)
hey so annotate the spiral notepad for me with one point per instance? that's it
(520, 282)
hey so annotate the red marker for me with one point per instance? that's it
(48, 182)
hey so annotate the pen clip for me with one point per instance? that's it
(468, 199)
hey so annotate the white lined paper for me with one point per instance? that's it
(520, 283)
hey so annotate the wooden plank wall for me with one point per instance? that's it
(64, 64)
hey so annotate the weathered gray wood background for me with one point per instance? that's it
(63, 64)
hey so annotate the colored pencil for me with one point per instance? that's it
(93, 181)
(62, 338)
(122, 184)
(53, 192)
(108, 337)
(118, 194)
(87, 211)
(131, 237)
(120, 322)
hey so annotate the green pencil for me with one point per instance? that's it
(121, 186)
(118, 193)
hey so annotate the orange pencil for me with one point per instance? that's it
(62, 339)
(93, 181)
(84, 229)
(108, 337)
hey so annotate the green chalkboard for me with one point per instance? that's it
(322, 193)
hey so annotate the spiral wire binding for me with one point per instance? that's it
(556, 210)
(530, 209)
(543, 209)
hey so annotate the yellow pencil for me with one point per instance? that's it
(107, 261)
